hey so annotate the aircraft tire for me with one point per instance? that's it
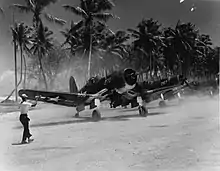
(162, 103)
(96, 115)
(143, 111)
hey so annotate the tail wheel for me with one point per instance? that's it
(96, 114)
(143, 111)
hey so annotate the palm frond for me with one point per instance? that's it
(41, 3)
(142, 50)
(64, 33)
(200, 53)
(105, 5)
(134, 33)
(76, 26)
(1, 10)
(103, 16)
(121, 49)
(54, 19)
(117, 54)
(21, 8)
(76, 10)
(83, 5)
(67, 35)
(30, 3)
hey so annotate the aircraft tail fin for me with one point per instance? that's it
(72, 85)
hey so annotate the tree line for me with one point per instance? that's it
(90, 45)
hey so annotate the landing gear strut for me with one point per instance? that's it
(162, 103)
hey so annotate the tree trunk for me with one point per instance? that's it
(15, 58)
(150, 63)
(42, 71)
(25, 72)
(151, 76)
(21, 72)
(90, 57)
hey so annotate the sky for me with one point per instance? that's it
(167, 12)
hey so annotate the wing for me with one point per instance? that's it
(156, 88)
(167, 91)
(152, 90)
(60, 98)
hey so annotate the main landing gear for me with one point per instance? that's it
(96, 114)
(142, 109)
(162, 103)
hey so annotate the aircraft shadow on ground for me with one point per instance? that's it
(159, 126)
(19, 143)
(150, 107)
(83, 119)
(52, 148)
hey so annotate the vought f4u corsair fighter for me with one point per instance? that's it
(114, 87)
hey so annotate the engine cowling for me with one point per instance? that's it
(130, 76)
(130, 80)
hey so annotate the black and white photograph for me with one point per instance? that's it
(109, 85)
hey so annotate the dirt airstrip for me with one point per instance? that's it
(176, 138)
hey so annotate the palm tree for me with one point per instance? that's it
(76, 40)
(169, 52)
(41, 44)
(21, 39)
(115, 43)
(204, 55)
(203, 43)
(72, 37)
(91, 10)
(213, 60)
(23, 33)
(185, 42)
(148, 39)
(180, 46)
(53, 63)
(36, 7)
(113, 46)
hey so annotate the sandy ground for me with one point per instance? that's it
(174, 138)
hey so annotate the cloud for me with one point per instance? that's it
(8, 74)
(6, 82)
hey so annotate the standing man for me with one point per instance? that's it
(24, 119)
